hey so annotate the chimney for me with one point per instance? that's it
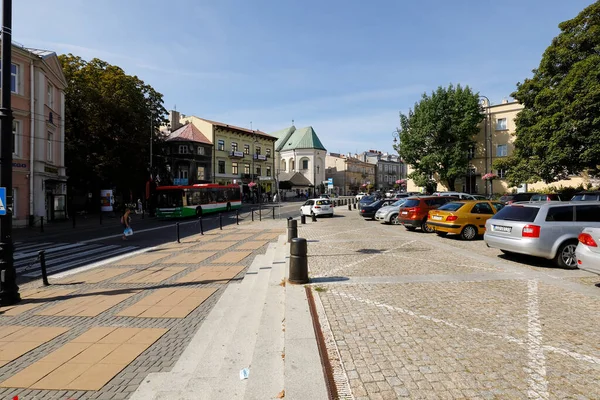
(174, 119)
(505, 101)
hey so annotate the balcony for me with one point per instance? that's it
(236, 154)
(260, 157)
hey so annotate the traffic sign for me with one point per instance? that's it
(2, 201)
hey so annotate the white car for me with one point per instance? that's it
(389, 214)
(318, 207)
(360, 196)
(588, 250)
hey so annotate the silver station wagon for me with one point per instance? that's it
(548, 230)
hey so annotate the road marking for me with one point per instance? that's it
(538, 385)
(145, 230)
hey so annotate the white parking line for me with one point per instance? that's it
(538, 385)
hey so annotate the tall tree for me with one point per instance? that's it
(108, 126)
(558, 131)
(437, 133)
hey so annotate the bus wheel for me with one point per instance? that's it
(198, 211)
(228, 206)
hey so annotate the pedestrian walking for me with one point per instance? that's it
(126, 223)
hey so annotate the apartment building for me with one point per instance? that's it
(239, 155)
(38, 103)
(389, 168)
(350, 175)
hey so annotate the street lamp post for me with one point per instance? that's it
(487, 141)
(9, 291)
(397, 141)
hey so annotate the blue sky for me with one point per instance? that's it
(346, 67)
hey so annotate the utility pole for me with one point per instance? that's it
(9, 291)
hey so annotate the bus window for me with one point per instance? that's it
(196, 198)
(170, 198)
(188, 198)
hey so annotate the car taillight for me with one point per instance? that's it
(416, 209)
(317, 207)
(532, 231)
(362, 210)
(587, 239)
(451, 218)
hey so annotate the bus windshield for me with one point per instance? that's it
(170, 198)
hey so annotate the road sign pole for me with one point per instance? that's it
(9, 291)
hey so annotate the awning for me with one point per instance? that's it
(295, 178)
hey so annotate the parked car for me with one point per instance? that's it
(479, 197)
(588, 251)
(460, 195)
(389, 214)
(542, 229)
(521, 197)
(366, 200)
(369, 210)
(505, 199)
(360, 195)
(586, 196)
(545, 197)
(398, 196)
(413, 213)
(318, 207)
(464, 218)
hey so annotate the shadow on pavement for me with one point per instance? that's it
(329, 279)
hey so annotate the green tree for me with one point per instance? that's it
(436, 134)
(558, 131)
(107, 126)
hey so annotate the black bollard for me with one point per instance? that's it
(355, 206)
(237, 217)
(349, 207)
(292, 230)
(298, 273)
(252, 215)
(303, 219)
(177, 226)
(220, 221)
(42, 255)
(314, 217)
(273, 212)
(42, 224)
(201, 227)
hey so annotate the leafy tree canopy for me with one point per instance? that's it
(558, 131)
(107, 125)
(436, 134)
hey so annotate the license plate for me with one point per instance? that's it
(438, 217)
(404, 212)
(500, 228)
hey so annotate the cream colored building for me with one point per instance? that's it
(494, 140)
(350, 174)
(239, 156)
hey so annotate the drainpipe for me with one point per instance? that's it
(31, 137)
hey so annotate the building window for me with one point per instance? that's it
(234, 146)
(221, 167)
(16, 137)
(200, 174)
(247, 149)
(501, 173)
(51, 96)
(183, 173)
(221, 145)
(257, 150)
(304, 164)
(268, 152)
(50, 147)
(247, 169)
(14, 78)
(258, 171)
(234, 168)
(501, 150)
(268, 171)
(200, 150)
(471, 153)
(501, 124)
(183, 149)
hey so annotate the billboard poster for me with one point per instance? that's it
(106, 197)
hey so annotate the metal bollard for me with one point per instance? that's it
(303, 219)
(298, 272)
(260, 213)
(220, 221)
(292, 229)
(252, 215)
(355, 206)
(237, 217)
(349, 207)
(42, 224)
(201, 227)
(177, 225)
(314, 217)
(42, 255)
(273, 212)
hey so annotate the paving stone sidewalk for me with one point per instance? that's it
(98, 333)
(413, 315)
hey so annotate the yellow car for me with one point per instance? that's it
(464, 218)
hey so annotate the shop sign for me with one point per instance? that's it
(261, 157)
(50, 170)
(19, 165)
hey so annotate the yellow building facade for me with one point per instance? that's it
(494, 140)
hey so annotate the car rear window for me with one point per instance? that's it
(517, 213)
(367, 199)
(587, 213)
(411, 203)
(323, 202)
(451, 206)
(560, 214)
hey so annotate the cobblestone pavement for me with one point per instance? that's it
(414, 315)
(160, 356)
